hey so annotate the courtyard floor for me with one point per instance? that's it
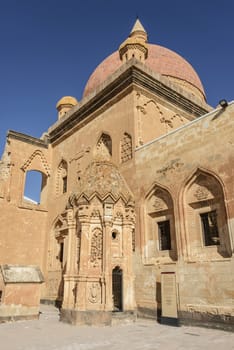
(48, 333)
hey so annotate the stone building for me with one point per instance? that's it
(137, 196)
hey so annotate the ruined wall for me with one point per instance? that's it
(23, 223)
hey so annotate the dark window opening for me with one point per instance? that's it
(106, 141)
(117, 286)
(164, 235)
(210, 228)
(0, 296)
(61, 252)
(64, 184)
(114, 235)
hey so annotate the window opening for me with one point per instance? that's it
(126, 148)
(105, 140)
(210, 228)
(64, 184)
(164, 235)
(61, 252)
(117, 286)
(33, 187)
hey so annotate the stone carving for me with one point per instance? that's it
(159, 204)
(95, 213)
(37, 153)
(94, 294)
(173, 166)
(96, 249)
(169, 120)
(80, 154)
(130, 214)
(126, 148)
(211, 310)
(201, 193)
(103, 178)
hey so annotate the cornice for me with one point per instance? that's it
(26, 138)
(132, 73)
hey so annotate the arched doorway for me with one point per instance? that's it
(117, 289)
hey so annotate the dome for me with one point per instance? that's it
(66, 100)
(160, 60)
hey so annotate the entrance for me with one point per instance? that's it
(117, 289)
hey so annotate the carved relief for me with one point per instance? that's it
(80, 154)
(154, 119)
(173, 166)
(44, 163)
(96, 249)
(77, 158)
(159, 204)
(158, 201)
(201, 193)
(94, 292)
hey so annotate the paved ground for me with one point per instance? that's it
(50, 334)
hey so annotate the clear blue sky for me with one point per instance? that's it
(50, 47)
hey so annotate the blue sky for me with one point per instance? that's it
(50, 47)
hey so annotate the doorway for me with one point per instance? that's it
(117, 289)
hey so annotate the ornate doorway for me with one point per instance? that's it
(117, 289)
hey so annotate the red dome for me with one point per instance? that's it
(160, 60)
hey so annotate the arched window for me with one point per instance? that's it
(126, 148)
(35, 182)
(160, 232)
(61, 183)
(206, 217)
(105, 142)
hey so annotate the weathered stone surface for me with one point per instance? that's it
(137, 181)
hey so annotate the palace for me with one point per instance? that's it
(136, 215)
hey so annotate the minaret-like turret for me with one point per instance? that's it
(65, 104)
(135, 45)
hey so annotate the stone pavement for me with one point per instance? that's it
(49, 334)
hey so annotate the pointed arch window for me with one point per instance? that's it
(206, 223)
(61, 183)
(105, 142)
(160, 231)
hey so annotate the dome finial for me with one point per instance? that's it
(135, 45)
(138, 27)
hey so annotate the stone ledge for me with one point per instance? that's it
(89, 318)
(199, 319)
(26, 138)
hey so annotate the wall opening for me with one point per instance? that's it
(206, 225)
(35, 182)
(117, 289)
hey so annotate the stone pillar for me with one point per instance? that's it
(107, 267)
(71, 268)
(81, 297)
(128, 276)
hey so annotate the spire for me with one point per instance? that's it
(135, 46)
(138, 27)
